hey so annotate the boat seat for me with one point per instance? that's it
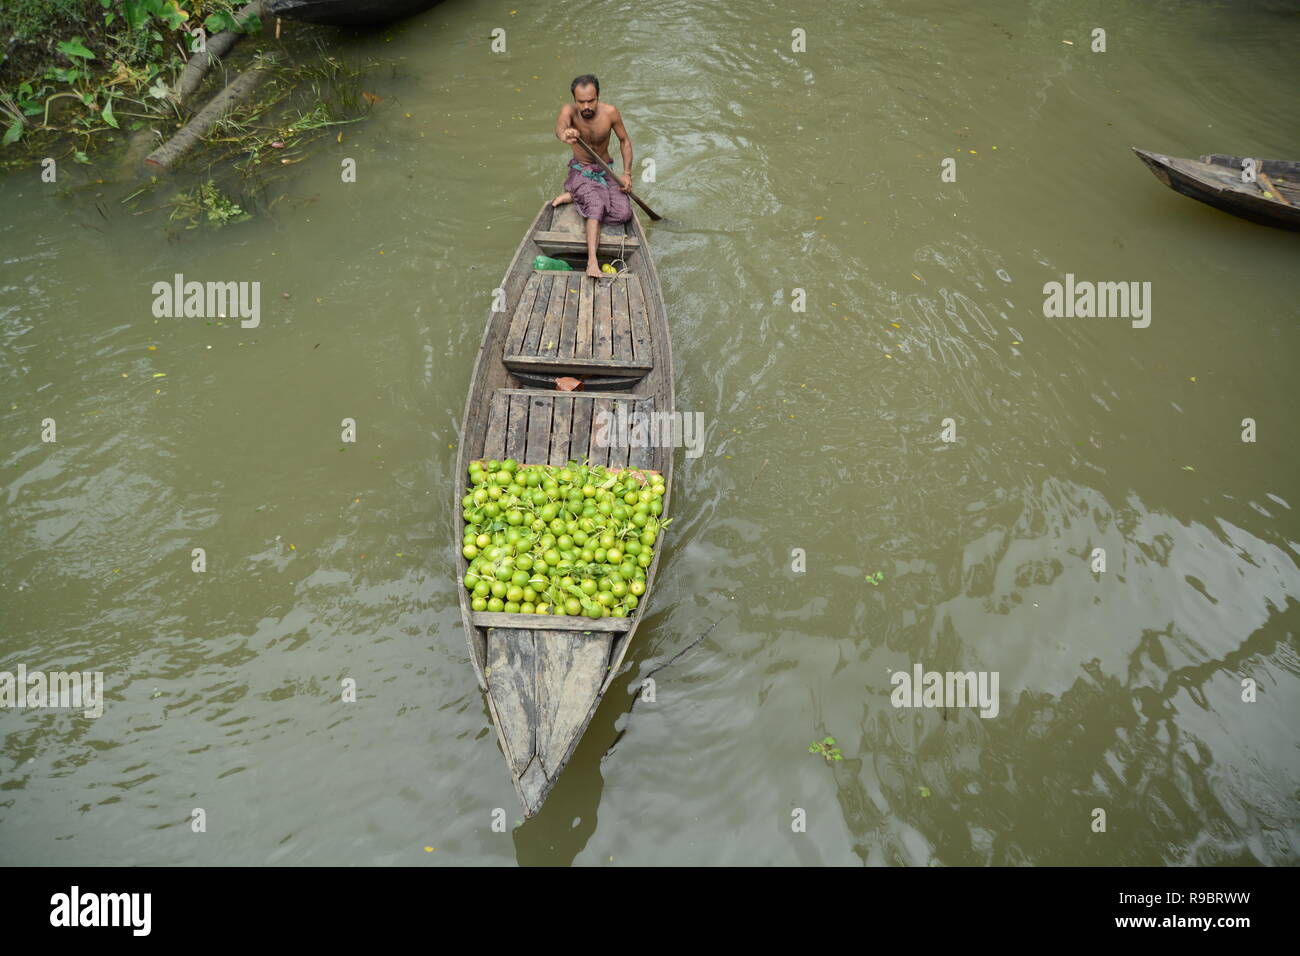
(551, 428)
(529, 378)
(567, 236)
(567, 219)
(609, 245)
(567, 323)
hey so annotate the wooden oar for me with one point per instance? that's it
(600, 162)
(1271, 187)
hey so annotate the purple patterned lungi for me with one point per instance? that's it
(594, 195)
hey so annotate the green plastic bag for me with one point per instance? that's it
(555, 265)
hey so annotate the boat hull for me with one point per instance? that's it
(544, 676)
(1219, 184)
(348, 13)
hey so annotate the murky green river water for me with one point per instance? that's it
(779, 170)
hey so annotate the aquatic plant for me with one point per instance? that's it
(827, 749)
(206, 201)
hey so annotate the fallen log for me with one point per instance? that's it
(192, 133)
(216, 47)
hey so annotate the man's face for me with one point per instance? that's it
(584, 97)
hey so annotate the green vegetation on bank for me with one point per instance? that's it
(92, 81)
(98, 64)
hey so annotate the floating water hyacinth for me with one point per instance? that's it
(827, 749)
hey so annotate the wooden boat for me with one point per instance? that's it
(347, 13)
(545, 675)
(1274, 200)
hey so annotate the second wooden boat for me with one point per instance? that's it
(545, 675)
(348, 13)
(1273, 200)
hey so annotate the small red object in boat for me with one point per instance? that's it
(567, 384)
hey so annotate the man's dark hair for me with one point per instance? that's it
(587, 79)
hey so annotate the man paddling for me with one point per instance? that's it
(586, 185)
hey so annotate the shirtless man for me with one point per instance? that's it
(586, 184)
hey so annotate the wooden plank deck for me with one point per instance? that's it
(537, 448)
(620, 324)
(561, 425)
(536, 427)
(601, 347)
(569, 323)
(639, 317)
(580, 431)
(494, 446)
(618, 452)
(571, 667)
(543, 685)
(523, 312)
(511, 669)
(516, 426)
(586, 312)
(562, 286)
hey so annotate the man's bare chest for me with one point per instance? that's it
(596, 131)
